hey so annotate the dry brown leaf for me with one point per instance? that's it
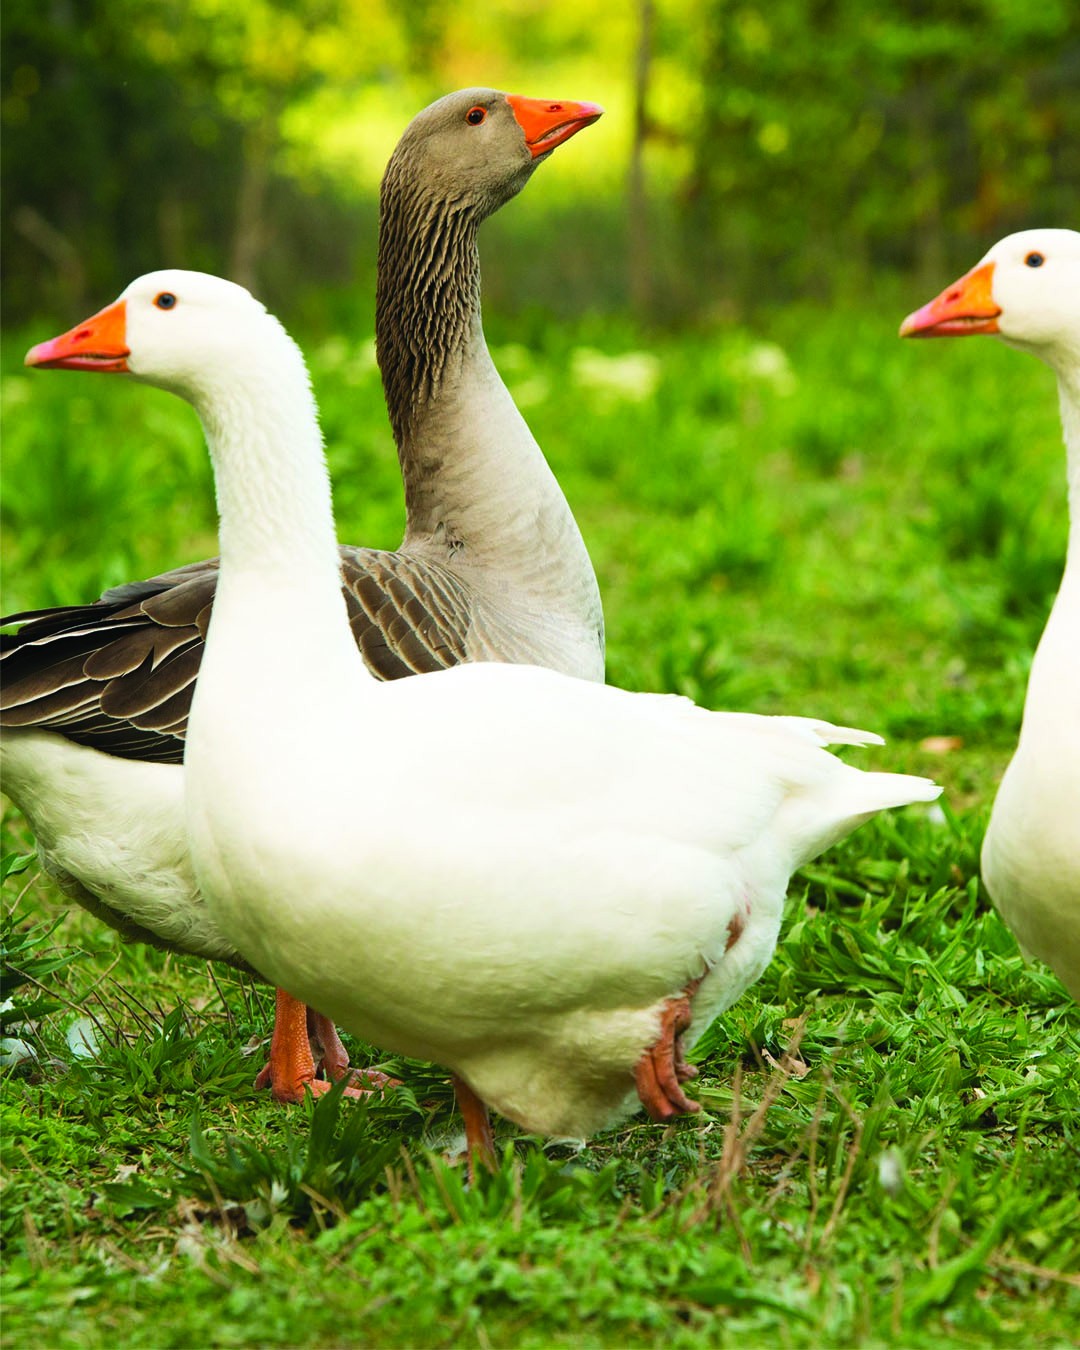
(941, 745)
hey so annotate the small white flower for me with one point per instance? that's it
(891, 1171)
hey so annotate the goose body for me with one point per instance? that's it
(542, 883)
(1027, 291)
(492, 566)
(133, 871)
(590, 855)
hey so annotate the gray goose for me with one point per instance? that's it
(492, 567)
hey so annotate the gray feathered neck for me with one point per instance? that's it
(428, 295)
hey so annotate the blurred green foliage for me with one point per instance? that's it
(772, 150)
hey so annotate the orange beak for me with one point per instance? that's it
(98, 344)
(965, 307)
(547, 125)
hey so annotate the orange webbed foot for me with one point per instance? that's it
(663, 1067)
(300, 1036)
(326, 1047)
(329, 1054)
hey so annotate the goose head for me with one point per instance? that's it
(187, 332)
(1026, 290)
(477, 148)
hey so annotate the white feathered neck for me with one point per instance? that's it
(1050, 707)
(1069, 391)
(277, 529)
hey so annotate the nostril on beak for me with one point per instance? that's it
(83, 334)
(554, 107)
(953, 295)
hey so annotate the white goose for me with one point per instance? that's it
(95, 698)
(542, 883)
(1027, 291)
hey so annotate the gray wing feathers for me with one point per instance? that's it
(409, 618)
(119, 674)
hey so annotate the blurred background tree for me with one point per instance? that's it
(751, 153)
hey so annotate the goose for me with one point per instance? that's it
(492, 566)
(548, 885)
(1026, 291)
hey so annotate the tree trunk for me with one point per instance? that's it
(172, 236)
(638, 234)
(930, 257)
(250, 231)
(57, 247)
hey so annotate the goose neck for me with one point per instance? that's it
(271, 481)
(1051, 727)
(427, 309)
(1069, 390)
(468, 458)
(479, 495)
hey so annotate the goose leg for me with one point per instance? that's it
(326, 1047)
(291, 1069)
(292, 1065)
(328, 1051)
(663, 1068)
(479, 1140)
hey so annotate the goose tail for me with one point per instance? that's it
(823, 820)
(880, 791)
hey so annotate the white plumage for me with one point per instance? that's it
(508, 871)
(1027, 290)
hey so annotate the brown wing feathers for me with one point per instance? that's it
(408, 618)
(118, 674)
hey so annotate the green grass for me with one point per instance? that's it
(813, 518)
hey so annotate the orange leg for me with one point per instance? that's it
(662, 1068)
(291, 1069)
(328, 1051)
(326, 1047)
(292, 1066)
(479, 1140)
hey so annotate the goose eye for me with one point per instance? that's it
(1034, 260)
(475, 116)
(166, 300)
